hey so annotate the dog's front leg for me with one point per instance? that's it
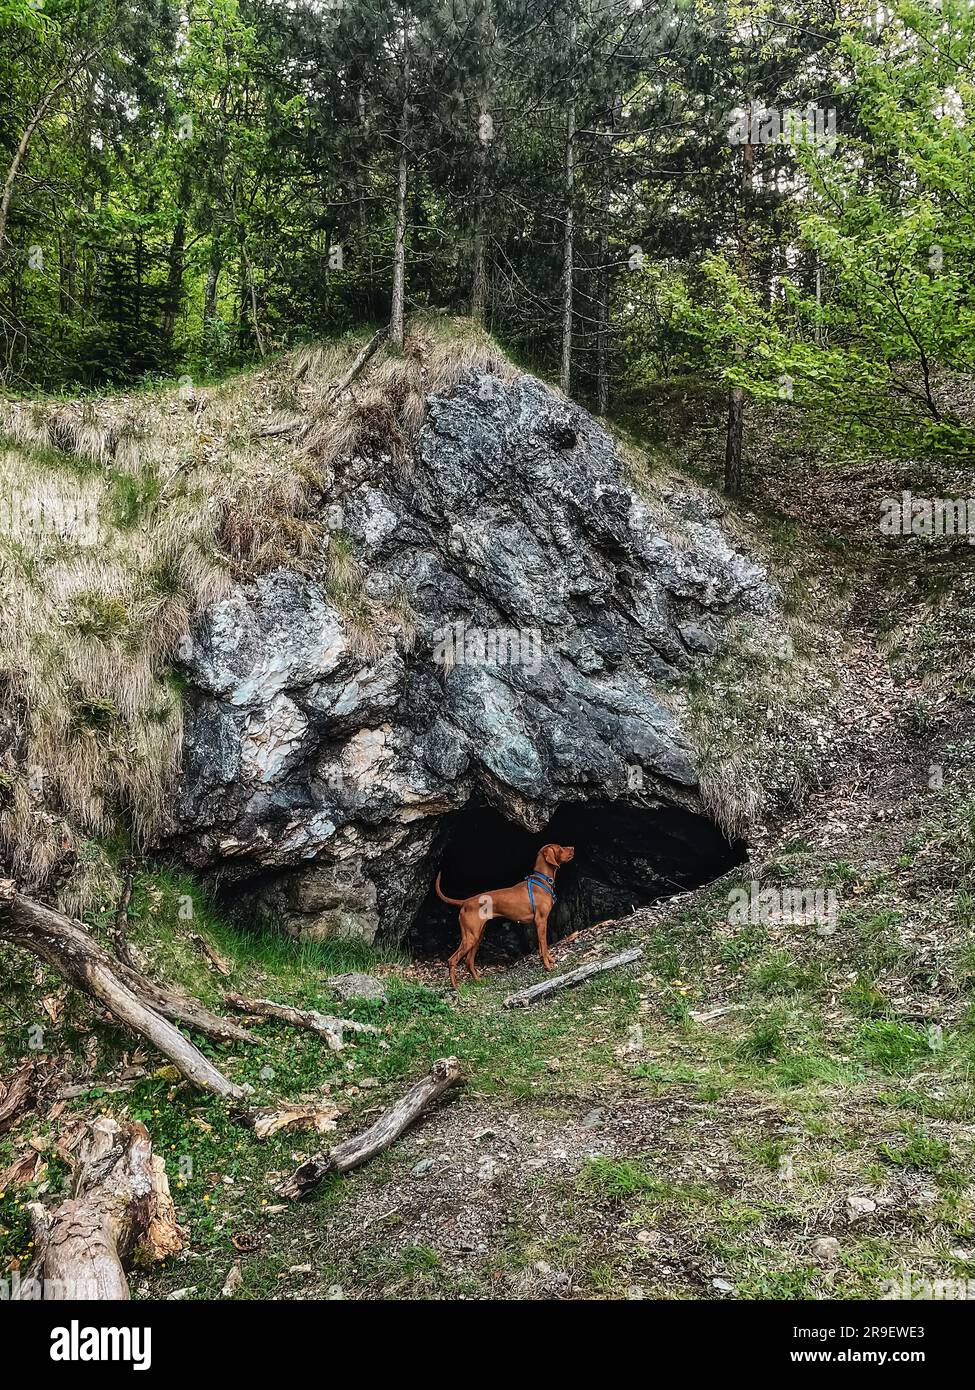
(541, 929)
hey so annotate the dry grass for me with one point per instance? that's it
(122, 518)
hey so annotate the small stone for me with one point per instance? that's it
(178, 1294)
(860, 1206)
(594, 1119)
(648, 1237)
(542, 1267)
(335, 1293)
(553, 1064)
(355, 985)
(722, 1286)
(635, 1292)
(300, 1269)
(486, 1169)
(424, 1166)
(276, 1209)
(825, 1250)
(233, 1281)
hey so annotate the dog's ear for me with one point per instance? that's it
(550, 853)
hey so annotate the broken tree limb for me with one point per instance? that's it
(524, 997)
(325, 1025)
(387, 1129)
(71, 950)
(220, 964)
(181, 1009)
(120, 929)
(120, 1212)
(18, 1093)
(360, 360)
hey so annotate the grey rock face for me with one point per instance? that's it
(553, 612)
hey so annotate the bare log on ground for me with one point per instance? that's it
(120, 1212)
(524, 997)
(325, 1025)
(387, 1129)
(71, 950)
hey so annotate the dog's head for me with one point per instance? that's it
(554, 855)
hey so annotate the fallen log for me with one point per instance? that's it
(325, 1025)
(379, 1136)
(120, 1213)
(134, 1001)
(524, 997)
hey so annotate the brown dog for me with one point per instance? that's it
(515, 904)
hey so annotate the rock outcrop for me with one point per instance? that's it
(524, 623)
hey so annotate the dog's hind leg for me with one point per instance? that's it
(472, 956)
(469, 937)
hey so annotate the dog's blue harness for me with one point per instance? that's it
(536, 879)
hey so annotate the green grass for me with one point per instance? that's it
(899, 1048)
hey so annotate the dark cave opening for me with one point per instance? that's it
(625, 857)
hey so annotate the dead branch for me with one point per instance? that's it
(360, 360)
(387, 1129)
(19, 1093)
(219, 963)
(325, 1025)
(120, 1212)
(524, 997)
(68, 948)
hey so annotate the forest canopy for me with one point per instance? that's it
(776, 195)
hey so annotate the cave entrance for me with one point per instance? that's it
(625, 857)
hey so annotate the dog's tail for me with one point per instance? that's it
(454, 902)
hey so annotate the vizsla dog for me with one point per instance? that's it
(529, 900)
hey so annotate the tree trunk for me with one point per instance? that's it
(734, 463)
(603, 295)
(734, 454)
(568, 237)
(479, 276)
(398, 303)
(213, 280)
(248, 269)
(120, 1213)
(397, 311)
(177, 248)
